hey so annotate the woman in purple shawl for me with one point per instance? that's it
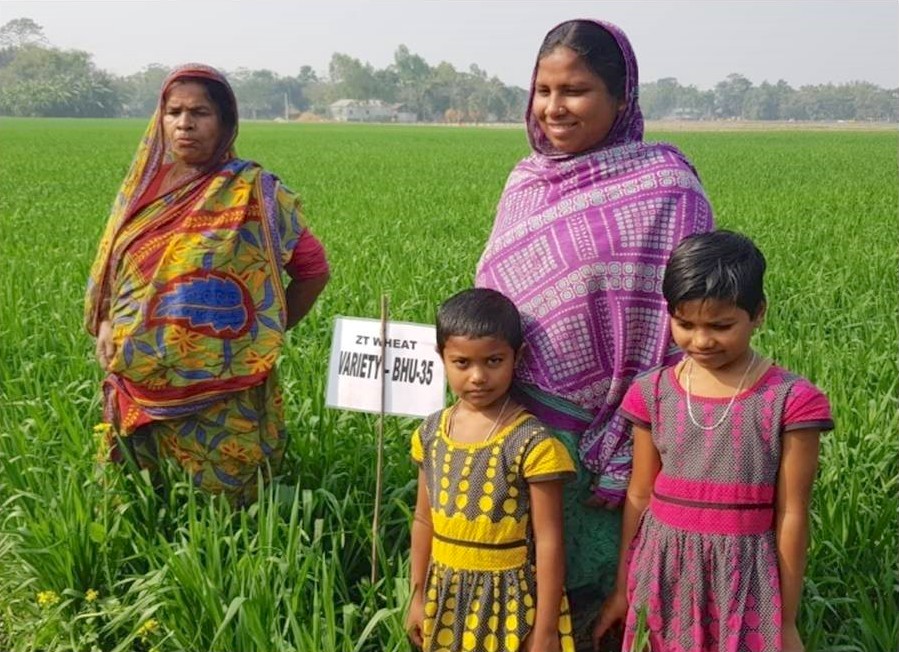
(582, 233)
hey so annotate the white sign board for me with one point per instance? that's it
(416, 385)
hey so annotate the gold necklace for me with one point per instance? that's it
(496, 421)
(730, 403)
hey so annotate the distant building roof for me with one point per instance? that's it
(366, 103)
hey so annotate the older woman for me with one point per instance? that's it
(186, 297)
(581, 236)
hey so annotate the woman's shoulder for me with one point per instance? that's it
(532, 166)
(252, 168)
(242, 166)
(666, 156)
(278, 193)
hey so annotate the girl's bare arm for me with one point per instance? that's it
(420, 555)
(798, 465)
(546, 520)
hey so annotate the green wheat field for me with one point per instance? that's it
(92, 559)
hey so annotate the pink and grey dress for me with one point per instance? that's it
(704, 561)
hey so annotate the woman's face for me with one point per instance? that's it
(571, 102)
(191, 123)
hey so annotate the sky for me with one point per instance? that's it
(698, 42)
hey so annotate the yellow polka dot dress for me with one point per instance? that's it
(481, 588)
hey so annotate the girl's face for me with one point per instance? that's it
(715, 333)
(571, 102)
(479, 370)
(191, 123)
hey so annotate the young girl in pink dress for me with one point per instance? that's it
(715, 527)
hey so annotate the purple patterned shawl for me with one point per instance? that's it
(580, 244)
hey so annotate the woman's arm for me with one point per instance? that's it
(647, 465)
(798, 465)
(301, 294)
(546, 520)
(420, 556)
(308, 269)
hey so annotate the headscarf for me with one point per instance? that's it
(152, 153)
(580, 244)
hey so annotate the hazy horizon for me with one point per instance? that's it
(697, 42)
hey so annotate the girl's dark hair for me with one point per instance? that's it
(221, 97)
(595, 46)
(479, 312)
(721, 265)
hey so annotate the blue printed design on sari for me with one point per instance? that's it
(206, 301)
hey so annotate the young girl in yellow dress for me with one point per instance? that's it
(487, 555)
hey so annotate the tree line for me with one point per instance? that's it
(38, 79)
(737, 98)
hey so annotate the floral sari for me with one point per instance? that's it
(191, 282)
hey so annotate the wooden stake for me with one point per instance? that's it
(380, 461)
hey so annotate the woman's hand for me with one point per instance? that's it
(791, 639)
(613, 611)
(415, 620)
(105, 350)
(542, 642)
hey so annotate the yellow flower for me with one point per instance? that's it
(103, 446)
(148, 628)
(103, 433)
(91, 595)
(47, 598)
